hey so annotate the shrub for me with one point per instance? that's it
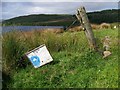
(104, 26)
(94, 26)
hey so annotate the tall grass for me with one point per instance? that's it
(15, 44)
(74, 65)
(12, 50)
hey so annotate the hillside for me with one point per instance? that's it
(108, 16)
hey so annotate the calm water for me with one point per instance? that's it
(26, 28)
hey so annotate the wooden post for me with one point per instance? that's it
(82, 17)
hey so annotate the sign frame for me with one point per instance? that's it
(36, 59)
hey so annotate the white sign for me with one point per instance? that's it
(39, 56)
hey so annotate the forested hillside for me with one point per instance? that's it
(108, 16)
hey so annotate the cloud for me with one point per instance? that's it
(14, 9)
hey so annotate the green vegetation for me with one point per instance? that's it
(74, 65)
(108, 16)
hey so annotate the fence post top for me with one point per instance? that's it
(82, 8)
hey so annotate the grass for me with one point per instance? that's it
(74, 65)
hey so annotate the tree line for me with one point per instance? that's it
(98, 17)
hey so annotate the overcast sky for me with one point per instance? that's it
(14, 9)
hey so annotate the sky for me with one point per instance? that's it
(14, 8)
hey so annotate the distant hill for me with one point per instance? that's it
(108, 16)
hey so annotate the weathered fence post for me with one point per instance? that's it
(82, 17)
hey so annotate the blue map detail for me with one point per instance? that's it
(35, 61)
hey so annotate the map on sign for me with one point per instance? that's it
(39, 56)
